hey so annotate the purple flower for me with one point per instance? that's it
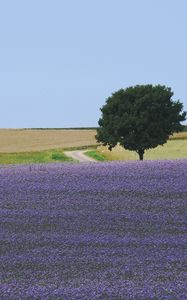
(93, 231)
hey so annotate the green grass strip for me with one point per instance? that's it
(45, 156)
(96, 155)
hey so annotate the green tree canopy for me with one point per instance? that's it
(140, 118)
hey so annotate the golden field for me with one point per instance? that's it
(176, 147)
(27, 140)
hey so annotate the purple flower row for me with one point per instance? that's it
(93, 231)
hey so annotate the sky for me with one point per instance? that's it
(60, 60)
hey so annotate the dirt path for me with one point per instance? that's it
(79, 155)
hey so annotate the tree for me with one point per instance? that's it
(140, 118)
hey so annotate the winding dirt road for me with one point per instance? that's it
(79, 155)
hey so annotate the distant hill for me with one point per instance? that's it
(63, 128)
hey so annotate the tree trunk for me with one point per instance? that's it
(141, 153)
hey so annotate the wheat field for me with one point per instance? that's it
(175, 148)
(32, 140)
(23, 140)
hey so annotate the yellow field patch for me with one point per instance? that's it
(20, 140)
(27, 140)
(179, 135)
(173, 149)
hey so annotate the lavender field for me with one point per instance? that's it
(93, 231)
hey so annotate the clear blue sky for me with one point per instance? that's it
(61, 59)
